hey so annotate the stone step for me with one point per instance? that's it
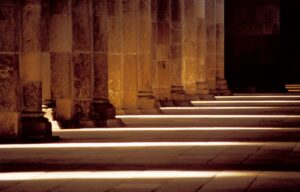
(263, 156)
(175, 134)
(210, 120)
(245, 103)
(258, 97)
(258, 110)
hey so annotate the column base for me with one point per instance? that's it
(35, 127)
(222, 88)
(104, 114)
(201, 97)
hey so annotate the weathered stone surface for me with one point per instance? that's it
(9, 125)
(145, 72)
(145, 35)
(61, 85)
(60, 27)
(163, 10)
(163, 73)
(115, 35)
(114, 8)
(176, 13)
(130, 84)
(100, 32)
(82, 25)
(58, 6)
(32, 96)
(101, 75)
(9, 79)
(189, 8)
(45, 16)
(129, 27)
(83, 86)
(115, 79)
(176, 72)
(82, 74)
(163, 31)
(31, 29)
(163, 52)
(46, 76)
(176, 52)
(9, 27)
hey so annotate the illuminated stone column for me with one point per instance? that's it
(115, 60)
(211, 50)
(82, 60)
(60, 48)
(130, 55)
(34, 125)
(103, 112)
(202, 90)
(163, 41)
(189, 48)
(146, 100)
(177, 52)
(222, 88)
(9, 71)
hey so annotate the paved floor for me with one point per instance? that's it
(209, 149)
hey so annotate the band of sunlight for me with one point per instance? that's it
(247, 101)
(43, 175)
(125, 144)
(257, 96)
(238, 107)
(203, 116)
(142, 129)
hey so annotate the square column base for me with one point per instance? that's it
(35, 127)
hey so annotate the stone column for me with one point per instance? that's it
(222, 88)
(146, 100)
(202, 89)
(9, 70)
(177, 59)
(115, 60)
(163, 66)
(60, 48)
(189, 48)
(211, 50)
(34, 125)
(103, 112)
(82, 60)
(130, 55)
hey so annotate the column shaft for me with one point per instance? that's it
(33, 122)
(211, 57)
(9, 71)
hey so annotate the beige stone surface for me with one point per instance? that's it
(130, 84)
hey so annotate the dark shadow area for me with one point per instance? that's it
(261, 45)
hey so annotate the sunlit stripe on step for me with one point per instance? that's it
(132, 174)
(202, 116)
(124, 144)
(146, 129)
(257, 96)
(247, 101)
(231, 108)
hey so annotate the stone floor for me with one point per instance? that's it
(246, 144)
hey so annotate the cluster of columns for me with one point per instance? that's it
(90, 59)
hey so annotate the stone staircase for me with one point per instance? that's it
(245, 142)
